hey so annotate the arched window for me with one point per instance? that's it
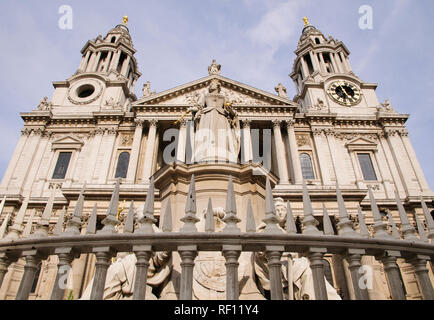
(113, 40)
(306, 166)
(122, 168)
(317, 41)
(35, 281)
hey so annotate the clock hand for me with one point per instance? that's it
(343, 90)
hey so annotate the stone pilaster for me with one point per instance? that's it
(135, 152)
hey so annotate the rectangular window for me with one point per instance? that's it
(62, 165)
(367, 167)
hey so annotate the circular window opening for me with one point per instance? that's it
(85, 91)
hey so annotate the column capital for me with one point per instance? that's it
(183, 123)
(153, 122)
(139, 122)
(246, 123)
(276, 123)
(290, 123)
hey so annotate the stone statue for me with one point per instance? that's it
(281, 91)
(214, 68)
(387, 106)
(44, 105)
(217, 128)
(296, 268)
(147, 90)
(121, 274)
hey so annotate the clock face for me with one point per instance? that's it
(345, 93)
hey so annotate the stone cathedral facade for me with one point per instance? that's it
(95, 130)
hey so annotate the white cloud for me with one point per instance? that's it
(276, 26)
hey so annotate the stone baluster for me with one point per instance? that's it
(273, 255)
(188, 252)
(33, 258)
(143, 254)
(5, 262)
(28, 228)
(17, 228)
(66, 255)
(354, 258)
(4, 225)
(309, 222)
(103, 256)
(419, 263)
(429, 220)
(407, 229)
(232, 254)
(316, 264)
(388, 257)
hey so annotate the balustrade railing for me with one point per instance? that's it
(231, 242)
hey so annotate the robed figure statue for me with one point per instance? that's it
(217, 137)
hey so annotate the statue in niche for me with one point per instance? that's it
(296, 268)
(217, 127)
(214, 68)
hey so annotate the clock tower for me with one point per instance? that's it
(324, 79)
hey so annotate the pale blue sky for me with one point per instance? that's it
(254, 41)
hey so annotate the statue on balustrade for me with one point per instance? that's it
(217, 135)
(293, 267)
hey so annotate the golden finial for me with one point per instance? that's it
(125, 19)
(306, 21)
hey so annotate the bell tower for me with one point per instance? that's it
(324, 79)
(105, 78)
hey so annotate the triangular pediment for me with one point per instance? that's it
(67, 142)
(235, 92)
(361, 143)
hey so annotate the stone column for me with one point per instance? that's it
(108, 142)
(320, 142)
(30, 268)
(317, 266)
(182, 141)
(392, 274)
(305, 68)
(143, 254)
(63, 268)
(83, 63)
(125, 66)
(323, 66)
(294, 154)
(115, 60)
(273, 255)
(103, 256)
(247, 152)
(419, 262)
(280, 151)
(231, 254)
(402, 161)
(25, 133)
(149, 154)
(415, 163)
(188, 254)
(335, 63)
(315, 63)
(135, 152)
(95, 62)
(107, 62)
(338, 164)
(354, 258)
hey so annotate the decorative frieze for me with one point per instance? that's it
(126, 140)
(303, 140)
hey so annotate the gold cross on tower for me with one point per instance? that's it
(125, 19)
(306, 21)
